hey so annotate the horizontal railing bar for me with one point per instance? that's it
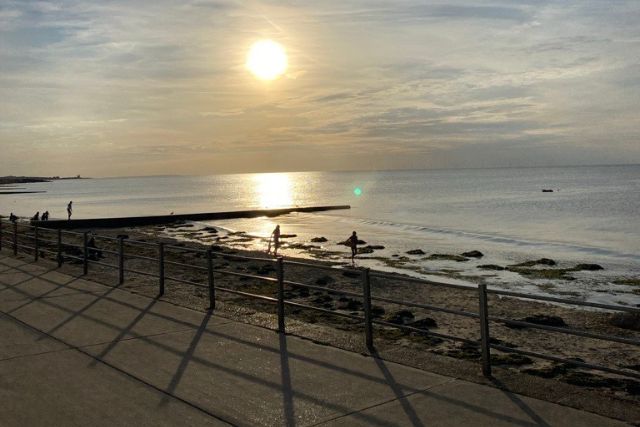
(319, 266)
(422, 281)
(562, 360)
(48, 251)
(188, 282)
(104, 264)
(424, 331)
(138, 242)
(129, 255)
(246, 294)
(197, 267)
(8, 232)
(251, 276)
(106, 251)
(114, 239)
(428, 307)
(144, 273)
(73, 257)
(567, 331)
(53, 242)
(250, 258)
(323, 310)
(71, 232)
(322, 288)
(185, 248)
(23, 246)
(564, 301)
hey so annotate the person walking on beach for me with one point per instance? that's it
(352, 242)
(69, 210)
(36, 217)
(275, 237)
(45, 216)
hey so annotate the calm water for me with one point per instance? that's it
(592, 216)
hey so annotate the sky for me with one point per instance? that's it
(122, 88)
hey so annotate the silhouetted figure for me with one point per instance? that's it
(12, 217)
(353, 244)
(94, 253)
(275, 237)
(45, 216)
(69, 210)
(36, 217)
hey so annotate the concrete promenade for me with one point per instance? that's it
(75, 352)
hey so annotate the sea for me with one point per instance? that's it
(591, 216)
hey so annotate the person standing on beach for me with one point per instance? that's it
(69, 210)
(352, 242)
(275, 237)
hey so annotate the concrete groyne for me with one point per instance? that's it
(168, 219)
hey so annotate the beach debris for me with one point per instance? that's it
(541, 261)
(416, 252)
(626, 321)
(472, 254)
(447, 257)
(319, 240)
(401, 317)
(491, 267)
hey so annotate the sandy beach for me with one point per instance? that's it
(411, 348)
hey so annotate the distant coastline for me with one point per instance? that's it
(5, 180)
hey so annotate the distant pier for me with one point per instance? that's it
(168, 219)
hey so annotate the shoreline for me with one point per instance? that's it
(408, 347)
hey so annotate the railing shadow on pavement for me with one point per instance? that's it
(284, 386)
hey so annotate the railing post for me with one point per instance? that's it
(120, 260)
(161, 268)
(59, 247)
(212, 289)
(35, 244)
(85, 264)
(280, 272)
(366, 303)
(15, 239)
(484, 330)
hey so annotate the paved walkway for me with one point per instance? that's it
(74, 352)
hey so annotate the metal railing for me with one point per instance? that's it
(10, 234)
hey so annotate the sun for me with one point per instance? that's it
(267, 60)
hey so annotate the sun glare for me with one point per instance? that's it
(267, 60)
(273, 190)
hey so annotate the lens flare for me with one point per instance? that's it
(357, 191)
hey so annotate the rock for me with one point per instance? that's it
(543, 319)
(288, 236)
(588, 267)
(365, 250)
(491, 267)
(351, 274)
(473, 254)
(547, 190)
(324, 280)
(425, 323)
(375, 247)
(416, 252)
(510, 359)
(401, 317)
(541, 261)
(319, 239)
(626, 321)
(377, 311)
(447, 257)
(210, 230)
